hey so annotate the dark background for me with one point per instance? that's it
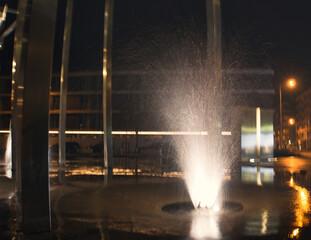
(258, 34)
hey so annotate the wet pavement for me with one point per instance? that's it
(275, 199)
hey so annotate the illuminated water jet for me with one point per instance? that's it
(205, 224)
(191, 101)
(188, 97)
(203, 178)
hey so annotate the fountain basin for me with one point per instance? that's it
(184, 208)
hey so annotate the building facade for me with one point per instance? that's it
(303, 129)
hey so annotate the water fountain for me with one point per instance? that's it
(191, 101)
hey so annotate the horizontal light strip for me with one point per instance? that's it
(133, 132)
(96, 132)
(170, 133)
(53, 132)
(4, 131)
(226, 133)
(84, 132)
(123, 132)
(158, 133)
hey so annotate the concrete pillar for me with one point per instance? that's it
(32, 61)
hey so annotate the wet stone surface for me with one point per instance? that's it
(7, 218)
(270, 202)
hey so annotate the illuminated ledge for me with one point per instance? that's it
(159, 133)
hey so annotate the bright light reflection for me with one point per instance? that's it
(105, 73)
(259, 183)
(295, 233)
(8, 157)
(203, 187)
(204, 224)
(257, 175)
(98, 170)
(169, 133)
(13, 66)
(216, 208)
(302, 204)
(264, 217)
(291, 182)
(3, 14)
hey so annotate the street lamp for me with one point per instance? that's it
(291, 121)
(291, 83)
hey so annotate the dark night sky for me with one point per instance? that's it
(269, 33)
(283, 26)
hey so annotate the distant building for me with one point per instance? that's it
(303, 129)
(134, 108)
(254, 88)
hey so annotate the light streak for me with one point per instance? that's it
(4, 131)
(226, 133)
(150, 133)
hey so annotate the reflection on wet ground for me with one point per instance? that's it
(301, 204)
(275, 197)
(263, 224)
(292, 172)
(205, 225)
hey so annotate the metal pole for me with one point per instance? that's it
(10, 29)
(213, 17)
(281, 120)
(107, 85)
(63, 85)
(136, 154)
(32, 61)
(258, 132)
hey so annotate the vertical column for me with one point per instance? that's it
(258, 132)
(281, 121)
(63, 85)
(213, 18)
(107, 85)
(33, 50)
(258, 144)
(213, 15)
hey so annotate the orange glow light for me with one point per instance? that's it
(291, 82)
(295, 233)
(291, 121)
